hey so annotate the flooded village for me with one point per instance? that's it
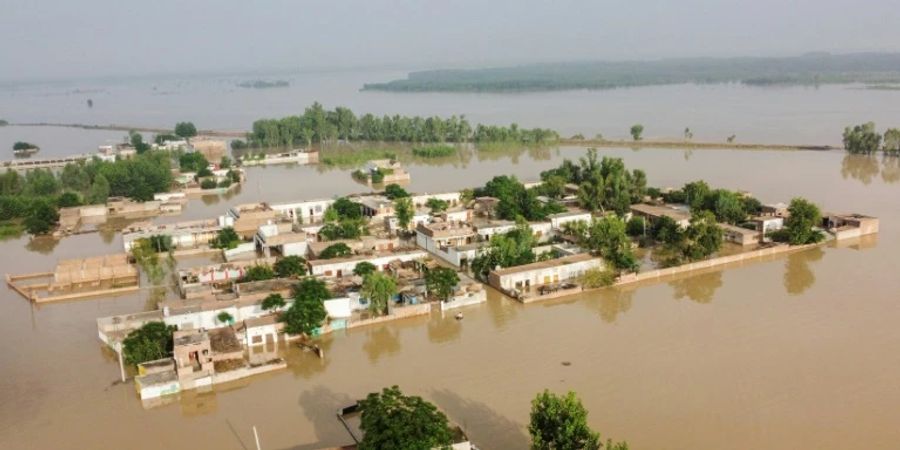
(431, 248)
(238, 229)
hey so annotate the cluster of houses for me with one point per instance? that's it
(452, 237)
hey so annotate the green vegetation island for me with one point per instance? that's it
(808, 69)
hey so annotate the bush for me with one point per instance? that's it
(434, 151)
(394, 191)
(595, 278)
(364, 268)
(290, 266)
(338, 250)
(258, 273)
(273, 301)
(226, 182)
(208, 183)
(635, 226)
(42, 217)
(226, 238)
(149, 342)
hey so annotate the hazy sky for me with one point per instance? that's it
(68, 38)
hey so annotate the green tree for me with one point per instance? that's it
(437, 205)
(403, 208)
(636, 131)
(225, 317)
(150, 342)
(137, 141)
(441, 281)
(185, 129)
(308, 310)
(338, 250)
(804, 215)
(260, 272)
(379, 288)
(892, 141)
(608, 238)
(393, 191)
(560, 423)
(862, 138)
(99, 190)
(595, 278)
(67, 199)
(636, 226)
(696, 193)
(290, 266)
(42, 217)
(726, 205)
(702, 237)
(273, 302)
(225, 163)
(226, 239)
(364, 268)
(194, 162)
(391, 420)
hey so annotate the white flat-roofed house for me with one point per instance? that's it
(340, 267)
(304, 212)
(557, 221)
(443, 239)
(542, 231)
(282, 238)
(528, 276)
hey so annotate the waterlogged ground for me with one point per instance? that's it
(791, 352)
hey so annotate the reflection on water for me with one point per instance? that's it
(860, 167)
(699, 288)
(798, 276)
(614, 301)
(319, 405)
(890, 169)
(383, 340)
(472, 415)
(444, 329)
(42, 244)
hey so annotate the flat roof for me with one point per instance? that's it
(737, 229)
(325, 262)
(658, 211)
(580, 257)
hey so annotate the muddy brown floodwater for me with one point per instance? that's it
(801, 351)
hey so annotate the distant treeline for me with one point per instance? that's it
(810, 69)
(320, 125)
(263, 84)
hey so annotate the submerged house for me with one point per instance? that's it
(526, 281)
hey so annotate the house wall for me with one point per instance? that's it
(558, 222)
(543, 275)
(304, 212)
(346, 267)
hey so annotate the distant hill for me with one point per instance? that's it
(809, 69)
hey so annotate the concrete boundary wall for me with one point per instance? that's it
(711, 263)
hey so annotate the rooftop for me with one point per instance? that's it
(581, 257)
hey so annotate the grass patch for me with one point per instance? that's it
(434, 151)
(354, 157)
(10, 229)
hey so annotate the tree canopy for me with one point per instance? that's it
(603, 184)
(307, 312)
(440, 282)
(636, 131)
(364, 268)
(392, 420)
(513, 248)
(862, 138)
(515, 201)
(403, 208)
(185, 129)
(378, 288)
(804, 215)
(560, 423)
(290, 266)
(150, 342)
(226, 239)
(273, 302)
(338, 250)
(393, 191)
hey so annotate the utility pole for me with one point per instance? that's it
(256, 437)
(121, 364)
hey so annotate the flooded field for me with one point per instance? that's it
(790, 352)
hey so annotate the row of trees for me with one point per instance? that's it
(603, 184)
(864, 139)
(390, 419)
(317, 124)
(37, 195)
(727, 206)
